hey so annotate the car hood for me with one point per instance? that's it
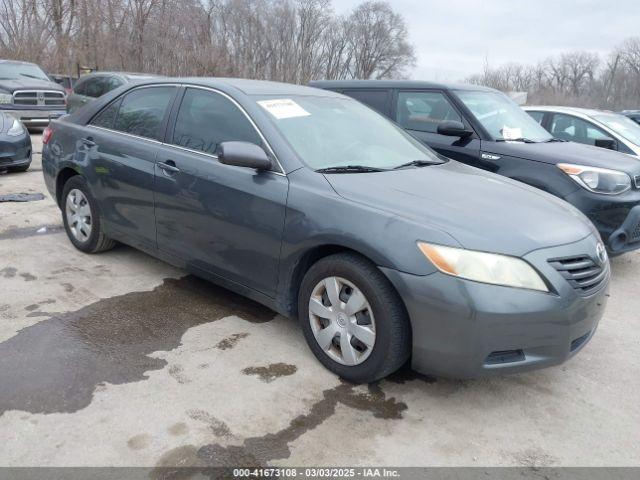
(11, 86)
(482, 211)
(566, 152)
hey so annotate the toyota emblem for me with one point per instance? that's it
(602, 253)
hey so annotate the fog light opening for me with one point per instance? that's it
(505, 356)
(618, 241)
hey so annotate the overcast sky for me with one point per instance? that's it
(453, 37)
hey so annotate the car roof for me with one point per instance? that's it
(588, 112)
(122, 74)
(17, 62)
(411, 84)
(248, 87)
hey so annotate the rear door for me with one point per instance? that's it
(122, 141)
(221, 219)
(421, 111)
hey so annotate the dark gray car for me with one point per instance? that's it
(316, 206)
(15, 144)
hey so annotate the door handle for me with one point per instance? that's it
(168, 167)
(88, 142)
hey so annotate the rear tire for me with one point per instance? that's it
(81, 216)
(362, 335)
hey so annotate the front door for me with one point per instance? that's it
(421, 111)
(222, 219)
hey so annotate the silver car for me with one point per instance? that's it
(591, 127)
(94, 85)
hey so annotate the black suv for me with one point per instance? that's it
(484, 128)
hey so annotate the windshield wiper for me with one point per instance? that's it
(417, 163)
(555, 140)
(521, 139)
(350, 169)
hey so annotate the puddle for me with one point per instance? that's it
(25, 232)
(259, 451)
(270, 373)
(21, 197)
(56, 364)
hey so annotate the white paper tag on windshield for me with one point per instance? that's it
(283, 108)
(511, 133)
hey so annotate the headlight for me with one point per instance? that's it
(598, 180)
(16, 129)
(6, 98)
(483, 267)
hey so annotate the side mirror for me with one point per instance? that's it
(452, 128)
(243, 154)
(609, 143)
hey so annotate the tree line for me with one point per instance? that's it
(284, 40)
(577, 78)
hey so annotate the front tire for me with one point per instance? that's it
(353, 319)
(81, 217)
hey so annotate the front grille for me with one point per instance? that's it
(637, 181)
(635, 234)
(49, 98)
(582, 273)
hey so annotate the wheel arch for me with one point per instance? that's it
(61, 179)
(291, 285)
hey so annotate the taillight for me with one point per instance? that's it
(46, 135)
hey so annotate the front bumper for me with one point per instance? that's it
(36, 117)
(617, 217)
(15, 152)
(465, 329)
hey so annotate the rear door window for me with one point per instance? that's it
(377, 99)
(143, 110)
(424, 111)
(574, 129)
(206, 119)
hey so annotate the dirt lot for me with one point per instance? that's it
(119, 359)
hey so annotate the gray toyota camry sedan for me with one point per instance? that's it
(320, 208)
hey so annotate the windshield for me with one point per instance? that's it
(623, 126)
(19, 71)
(333, 131)
(501, 117)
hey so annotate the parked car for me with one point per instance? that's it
(316, 206)
(15, 144)
(591, 127)
(632, 114)
(66, 81)
(27, 93)
(94, 85)
(483, 128)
